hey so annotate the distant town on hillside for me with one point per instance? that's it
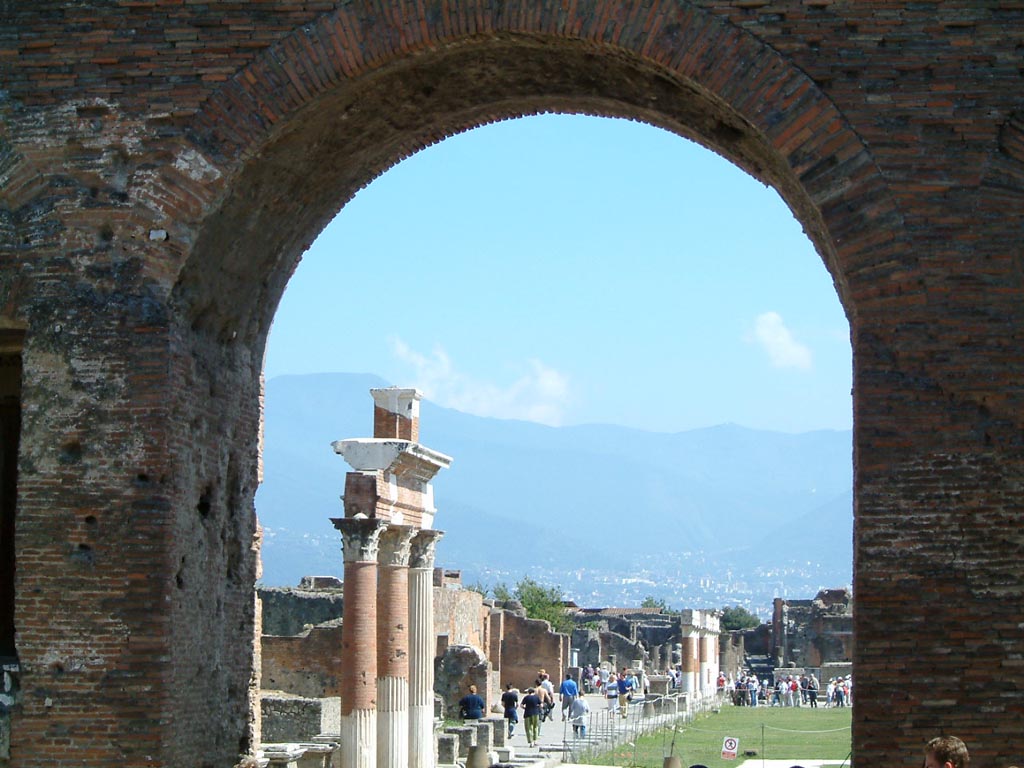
(699, 519)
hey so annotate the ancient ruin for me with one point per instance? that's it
(387, 649)
(163, 166)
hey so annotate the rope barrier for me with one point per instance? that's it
(790, 730)
(769, 727)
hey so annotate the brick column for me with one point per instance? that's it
(689, 663)
(421, 649)
(358, 674)
(393, 647)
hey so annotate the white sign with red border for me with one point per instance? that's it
(730, 746)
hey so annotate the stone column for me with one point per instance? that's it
(688, 664)
(702, 646)
(358, 675)
(422, 642)
(393, 647)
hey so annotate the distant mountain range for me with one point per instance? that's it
(523, 499)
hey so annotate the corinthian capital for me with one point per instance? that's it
(423, 544)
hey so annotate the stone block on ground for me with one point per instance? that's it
(447, 748)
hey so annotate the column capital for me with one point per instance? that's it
(360, 537)
(423, 544)
(395, 545)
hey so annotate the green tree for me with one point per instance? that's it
(651, 602)
(501, 592)
(737, 617)
(544, 603)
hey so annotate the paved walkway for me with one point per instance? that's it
(558, 743)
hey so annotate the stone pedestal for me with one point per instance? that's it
(447, 749)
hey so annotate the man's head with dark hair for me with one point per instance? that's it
(946, 752)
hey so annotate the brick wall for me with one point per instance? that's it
(529, 645)
(163, 167)
(306, 665)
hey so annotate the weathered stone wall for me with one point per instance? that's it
(809, 633)
(288, 611)
(621, 648)
(529, 645)
(732, 652)
(459, 667)
(308, 664)
(291, 718)
(461, 615)
(163, 167)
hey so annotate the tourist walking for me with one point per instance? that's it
(568, 693)
(578, 712)
(531, 716)
(611, 693)
(625, 693)
(547, 700)
(510, 701)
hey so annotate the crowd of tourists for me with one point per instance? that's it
(538, 703)
(788, 691)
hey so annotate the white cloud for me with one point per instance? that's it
(539, 394)
(777, 340)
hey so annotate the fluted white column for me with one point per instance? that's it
(422, 645)
(393, 647)
(703, 645)
(358, 673)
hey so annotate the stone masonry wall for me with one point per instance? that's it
(529, 645)
(163, 166)
(287, 611)
(305, 665)
(461, 615)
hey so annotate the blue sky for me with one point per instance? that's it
(569, 270)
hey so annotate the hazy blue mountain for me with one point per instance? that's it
(520, 495)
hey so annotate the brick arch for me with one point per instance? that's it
(338, 101)
(251, 124)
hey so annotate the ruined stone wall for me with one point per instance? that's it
(163, 167)
(308, 664)
(288, 611)
(588, 642)
(622, 649)
(460, 614)
(809, 633)
(529, 645)
(732, 652)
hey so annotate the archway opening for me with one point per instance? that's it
(604, 272)
(287, 191)
(546, 263)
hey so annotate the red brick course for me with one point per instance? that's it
(163, 166)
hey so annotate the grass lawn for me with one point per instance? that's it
(773, 733)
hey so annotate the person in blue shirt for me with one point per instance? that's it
(510, 701)
(471, 706)
(568, 693)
